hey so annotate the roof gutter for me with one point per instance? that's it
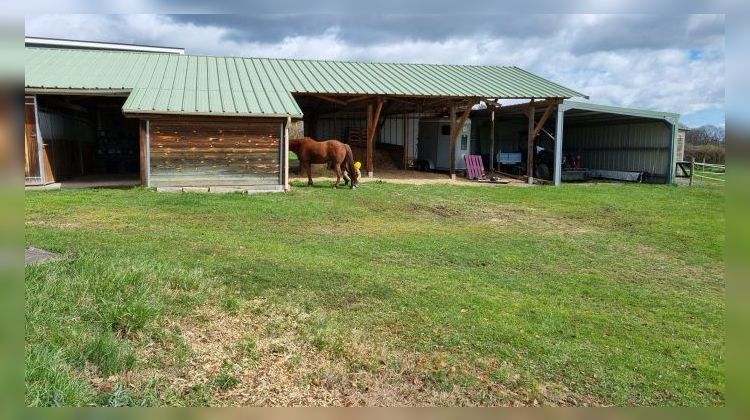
(82, 92)
(670, 117)
(138, 112)
(32, 41)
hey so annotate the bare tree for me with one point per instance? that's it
(707, 134)
(705, 144)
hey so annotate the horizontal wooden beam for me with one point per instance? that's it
(329, 99)
(358, 98)
(524, 107)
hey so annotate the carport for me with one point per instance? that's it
(576, 141)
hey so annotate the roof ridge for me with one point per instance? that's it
(84, 50)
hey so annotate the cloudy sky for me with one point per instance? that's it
(665, 62)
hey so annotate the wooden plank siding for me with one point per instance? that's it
(32, 168)
(142, 149)
(204, 152)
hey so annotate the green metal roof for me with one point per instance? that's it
(186, 84)
(636, 112)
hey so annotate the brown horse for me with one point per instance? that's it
(337, 155)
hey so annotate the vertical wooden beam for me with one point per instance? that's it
(452, 166)
(405, 142)
(372, 127)
(367, 141)
(143, 146)
(492, 140)
(456, 128)
(148, 153)
(285, 148)
(530, 145)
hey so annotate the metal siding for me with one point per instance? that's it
(644, 146)
(232, 86)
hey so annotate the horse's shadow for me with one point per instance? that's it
(319, 184)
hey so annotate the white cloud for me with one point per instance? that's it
(667, 78)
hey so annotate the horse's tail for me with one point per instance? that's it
(350, 165)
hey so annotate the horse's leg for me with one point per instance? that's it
(308, 169)
(337, 167)
(344, 173)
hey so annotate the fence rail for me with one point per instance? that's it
(690, 169)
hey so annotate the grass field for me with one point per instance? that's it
(385, 295)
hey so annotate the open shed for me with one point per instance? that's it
(573, 141)
(211, 122)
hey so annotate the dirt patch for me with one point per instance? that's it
(57, 225)
(439, 209)
(409, 177)
(272, 360)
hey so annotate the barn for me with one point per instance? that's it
(158, 117)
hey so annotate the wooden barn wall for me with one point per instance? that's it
(207, 152)
(680, 149)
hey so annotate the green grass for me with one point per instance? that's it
(596, 291)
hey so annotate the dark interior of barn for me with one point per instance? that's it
(88, 139)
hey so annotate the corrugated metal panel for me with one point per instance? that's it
(57, 126)
(622, 147)
(633, 112)
(166, 83)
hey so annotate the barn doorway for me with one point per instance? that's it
(86, 141)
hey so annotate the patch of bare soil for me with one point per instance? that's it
(57, 225)
(269, 352)
(406, 177)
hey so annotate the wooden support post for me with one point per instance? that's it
(406, 143)
(530, 145)
(143, 154)
(368, 158)
(456, 128)
(692, 168)
(452, 144)
(492, 140)
(285, 150)
(372, 126)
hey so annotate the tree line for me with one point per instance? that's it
(705, 144)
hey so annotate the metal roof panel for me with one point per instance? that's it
(253, 86)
